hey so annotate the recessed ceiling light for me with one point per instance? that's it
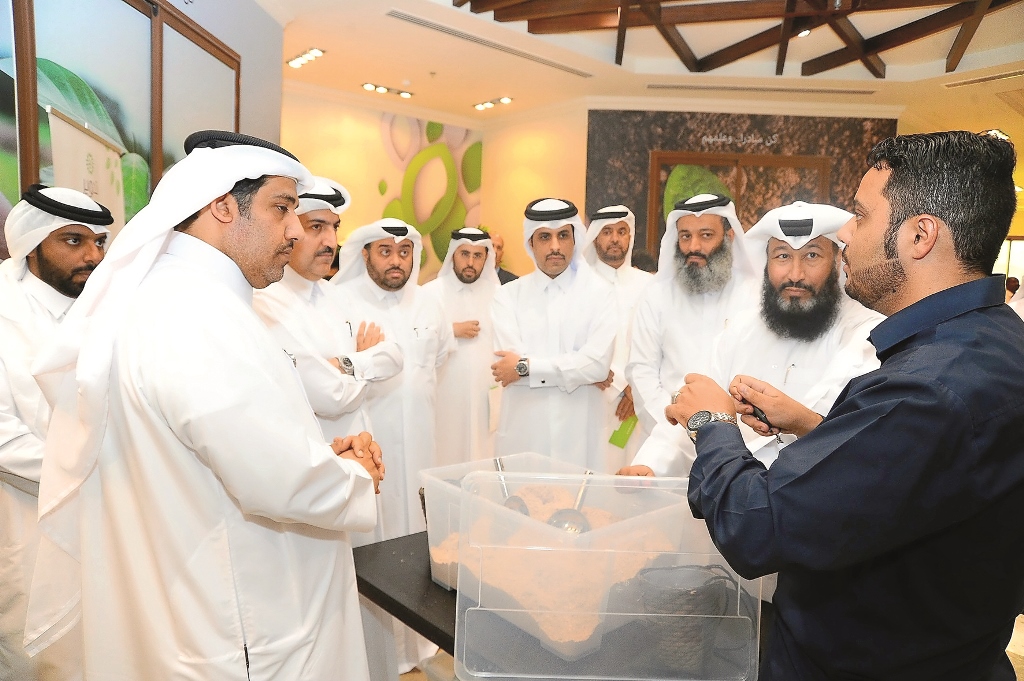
(505, 100)
(804, 33)
(306, 57)
(1019, 189)
(404, 95)
(369, 86)
(315, 52)
(296, 64)
(479, 107)
(381, 89)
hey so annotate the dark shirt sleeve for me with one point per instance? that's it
(891, 463)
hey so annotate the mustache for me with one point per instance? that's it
(694, 254)
(396, 268)
(326, 250)
(794, 284)
(554, 254)
(83, 268)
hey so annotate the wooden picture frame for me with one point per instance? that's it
(160, 12)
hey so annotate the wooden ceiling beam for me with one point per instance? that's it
(851, 37)
(671, 35)
(786, 31)
(555, 16)
(915, 30)
(620, 33)
(965, 35)
(755, 43)
(545, 9)
(478, 6)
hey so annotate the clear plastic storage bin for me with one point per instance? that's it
(641, 594)
(442, 491)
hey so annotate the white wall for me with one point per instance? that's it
(247, 29)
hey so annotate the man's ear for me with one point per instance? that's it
(224, 208)
(731, 233)
(920, 234)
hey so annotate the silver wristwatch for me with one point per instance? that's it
(703, 418)
(523, 367)
(347, 366)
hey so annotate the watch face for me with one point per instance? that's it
(699, 419)
(521, 368)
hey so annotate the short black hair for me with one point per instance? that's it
(963, 178)
(243, 192)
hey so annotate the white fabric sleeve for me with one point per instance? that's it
(239, 418)
(506, 327)
(668, 451)
(378, 363)
(589, 364)
(643, 368)
(21, 451)
(330, 391)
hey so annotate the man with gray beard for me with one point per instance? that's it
(705, 277)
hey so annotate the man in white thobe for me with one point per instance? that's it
(554, 340)
(192, 514)
(465, 288)
(57, 237)
(378, 267)
(705, 278)
(334, 366)
(807, 338)
(609, 251)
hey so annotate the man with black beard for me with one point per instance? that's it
(705, 278)
(464, 289)
(808, 338)
(57, 237)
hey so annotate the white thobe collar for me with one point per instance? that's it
(52, 300)
(389, 298)
(213, 262)
(559, 284)
(607, 272)
(304, 288)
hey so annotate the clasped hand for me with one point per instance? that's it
(362, 449)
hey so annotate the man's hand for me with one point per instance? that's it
(362, 449)
(625, 408)
(786, 414)
(642, 471)
(504, 370)
(604, 385)
(467, 329)
(699, 393)
(367, 336)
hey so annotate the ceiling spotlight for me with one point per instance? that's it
(404, 95)
(369, 86)
(804, 33)
(381, 89)
(306, 57)
(1018, 189)
(490, 104)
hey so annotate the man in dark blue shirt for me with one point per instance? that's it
(896, 523)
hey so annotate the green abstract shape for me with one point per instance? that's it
(382, 187)
(472, 162)
(434, 131)
(442, 236)
(444, 205)
(135, 176)
(9, 177)
(685, 181)
(394, 209)
(72, 96)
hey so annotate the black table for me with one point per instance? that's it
(395, 575)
